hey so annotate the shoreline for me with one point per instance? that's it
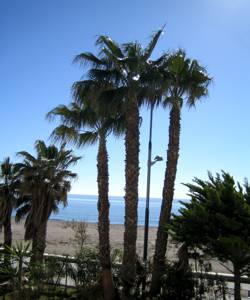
(60, 238)
(95, 223)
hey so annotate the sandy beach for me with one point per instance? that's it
(60, 239)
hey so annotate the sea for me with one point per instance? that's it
(84, 208)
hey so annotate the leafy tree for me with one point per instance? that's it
(8, 196)
(45, 182)
(185, 81)
(84, 124)
(217, 221)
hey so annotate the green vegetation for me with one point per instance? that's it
(44, 183)
(80, 278)
(217, 221)
(107, 101)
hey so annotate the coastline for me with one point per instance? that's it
(60, 240)
(60, 237)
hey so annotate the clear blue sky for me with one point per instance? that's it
(39, 39)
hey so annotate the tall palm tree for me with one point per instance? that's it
(83, 124)
(187, 81)
(125, 66)
(45, 182)
(8, 196)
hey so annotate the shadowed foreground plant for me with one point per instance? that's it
(176, 284)
(15, 270)
(86, 273)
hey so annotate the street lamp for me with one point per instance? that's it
(150, 164)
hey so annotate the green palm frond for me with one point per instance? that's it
(112, 46)
(117, 125)
(154, 40)
(84, 88)
(64, 133)
(88, 58)
(87, 138)
(104, 77)
(26, 156)
(41, 148)
(67, 114)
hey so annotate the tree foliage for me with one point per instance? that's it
(44, 183)
(217, 221)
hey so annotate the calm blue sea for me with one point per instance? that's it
(84, 207)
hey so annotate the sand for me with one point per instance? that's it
(60, 239)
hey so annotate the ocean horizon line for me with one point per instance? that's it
(115, 196)
(84, 207)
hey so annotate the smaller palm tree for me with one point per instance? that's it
(45, 182)
(8, 196)
(84, 124)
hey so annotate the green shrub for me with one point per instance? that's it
(176, 284)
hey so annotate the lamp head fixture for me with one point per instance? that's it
(156, 159)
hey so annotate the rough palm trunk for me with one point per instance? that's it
(131, 196)
(103, 219)
(7, 236)
(7, 231)
(39, 243)
(167, 198)
(237, 294)
(34, 247)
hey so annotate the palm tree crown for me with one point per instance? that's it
(185, 78)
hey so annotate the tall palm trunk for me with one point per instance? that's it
(131, 196)
(34, 247)
(103, 219)
(39, 243)
(167, 198)
(7, 235)
(7, 230)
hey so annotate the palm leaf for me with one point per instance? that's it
(112, 46)
(154, 39)
(87, 138)
(88, 58)
(27, 156)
